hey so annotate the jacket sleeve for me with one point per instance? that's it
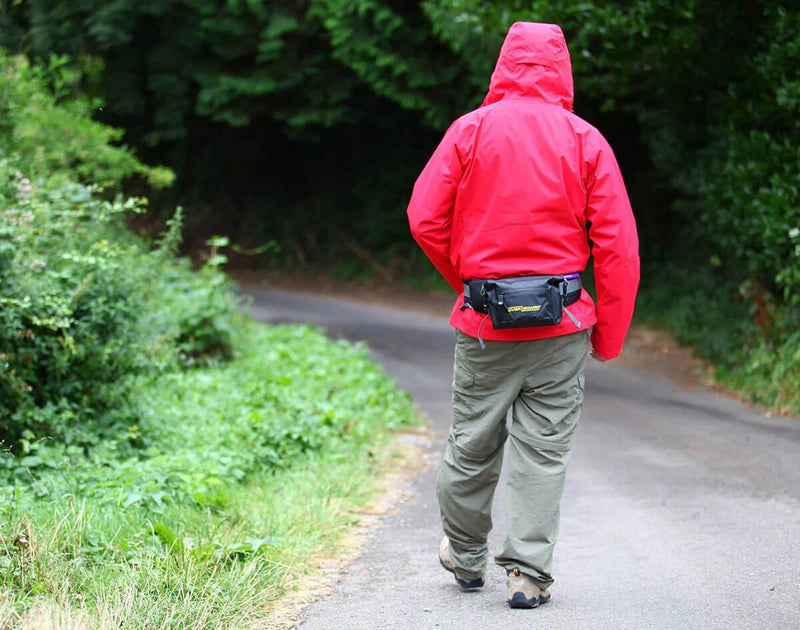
(615, 251)
(430, 211)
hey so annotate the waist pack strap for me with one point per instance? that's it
(573, 289)
(475, 293)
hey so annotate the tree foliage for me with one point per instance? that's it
(50, 131)
(319, 111)
(302, 64)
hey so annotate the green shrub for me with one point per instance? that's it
(289, 393)
(743, 193)
(741, 204)
(194, 494)
(86, 305)
(47, 126)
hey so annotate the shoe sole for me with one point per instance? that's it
(472, 585)
(518, 600)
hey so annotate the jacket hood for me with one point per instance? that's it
(533, 61)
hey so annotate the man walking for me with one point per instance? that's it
(505, 210)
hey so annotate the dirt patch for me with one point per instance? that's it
(657, 353)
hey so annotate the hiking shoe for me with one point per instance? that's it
(523, 591)
(444, 559)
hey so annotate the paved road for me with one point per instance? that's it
(682, 508)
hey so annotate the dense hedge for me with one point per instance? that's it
(84, 306)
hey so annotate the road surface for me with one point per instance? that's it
(681, 509)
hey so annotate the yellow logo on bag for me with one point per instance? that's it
(525, 308)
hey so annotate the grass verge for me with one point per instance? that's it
(249, 472)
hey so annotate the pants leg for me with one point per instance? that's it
(485, 384)
(543, 420)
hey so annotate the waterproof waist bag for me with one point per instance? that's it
(528, 301)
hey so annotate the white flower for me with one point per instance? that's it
(794, 232)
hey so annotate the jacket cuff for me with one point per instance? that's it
(604, 351)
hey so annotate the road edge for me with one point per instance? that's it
(408, 454)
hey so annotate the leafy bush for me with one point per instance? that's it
(84, 305)
(744, 187)
(46, 126)
(290, 393)
(740, 200)
(132, 487)
(67, 306)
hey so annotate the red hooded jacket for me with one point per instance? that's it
(519, 185)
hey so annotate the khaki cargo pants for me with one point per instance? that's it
(541, 381)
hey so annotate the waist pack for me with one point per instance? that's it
(524, 301)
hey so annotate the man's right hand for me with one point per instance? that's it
(597, 357)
